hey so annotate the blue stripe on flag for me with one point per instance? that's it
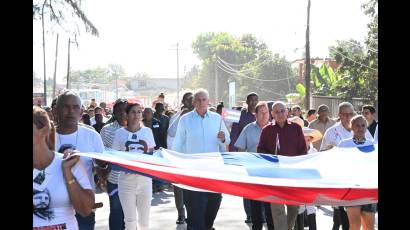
(265, 165)
(367, 149)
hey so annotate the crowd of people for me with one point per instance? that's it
(64, 185)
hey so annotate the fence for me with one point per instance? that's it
(333, 103)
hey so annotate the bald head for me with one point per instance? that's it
(65, 95)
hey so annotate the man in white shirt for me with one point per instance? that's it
(201, 131)
(71, 135)
(341, 130)
(98, 110)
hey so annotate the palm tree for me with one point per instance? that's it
(58, 10)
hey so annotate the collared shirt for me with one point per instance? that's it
(249, 137)
(172, 129)
(291, 140)
(196, 134)
(335, 134)
(107, 135)
(376, 135)
(372, 127)
(164, 119)
(245, 118)
(159, 137)
(322, 127)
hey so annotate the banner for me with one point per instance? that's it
(337, 177)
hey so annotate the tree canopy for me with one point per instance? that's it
(245, 60)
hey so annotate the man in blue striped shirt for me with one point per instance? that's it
(117, 121)
(201, 131)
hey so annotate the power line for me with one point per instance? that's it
(270, 91)
(246, 70)
(231, 64)
(352, 59)
(375, 51)
(223, 68)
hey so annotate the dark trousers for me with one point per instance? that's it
(179, 201)
(202, 208)
(247, 207)
(340, 218)
(85, 223)
(116, 218)
(257, 210)
(306, 220)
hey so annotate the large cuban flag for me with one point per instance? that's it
(338, 177)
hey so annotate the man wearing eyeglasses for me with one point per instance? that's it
(282, 138)
(341, 130)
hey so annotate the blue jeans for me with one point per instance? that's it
(116, 219)
(202, 208)
(85, 223)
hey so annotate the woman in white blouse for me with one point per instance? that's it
(60, 183)
(363, 215)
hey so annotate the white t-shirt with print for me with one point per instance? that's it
(84, 140)
(349, 143)
(51, 202)
(140, 141)
(335, 134)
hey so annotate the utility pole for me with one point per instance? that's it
(55, 71)
(44, 55)
(178, 72)
(307, 62)
(68, 65)
(178, 87)
(116, 85)
(216, 80)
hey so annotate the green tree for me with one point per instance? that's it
(66, 14)
(359, 63)
(245, 60)
(96, 75)
(115, 71)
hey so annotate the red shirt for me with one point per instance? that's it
(291, 140)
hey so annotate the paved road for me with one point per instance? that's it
(231, 215)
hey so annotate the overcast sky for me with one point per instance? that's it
(139, 35)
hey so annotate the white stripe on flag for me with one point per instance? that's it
(231, 115)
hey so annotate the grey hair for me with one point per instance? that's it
(356, 118)
(201, 90)
(278, 103)
(345, 105)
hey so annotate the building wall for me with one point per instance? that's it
(333, 104)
